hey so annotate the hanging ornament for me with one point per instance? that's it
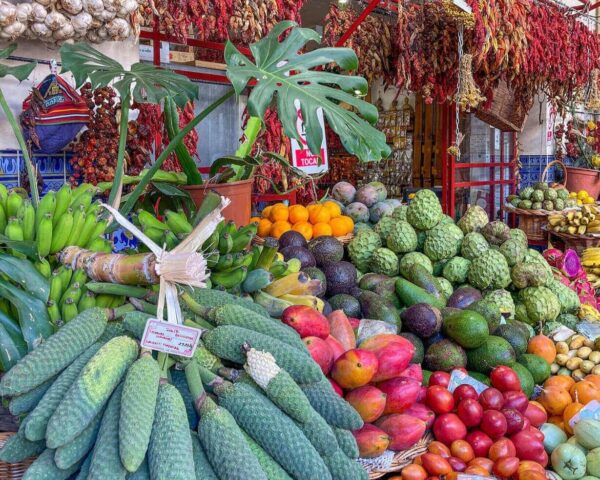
(457, 14)
(468, 96)
(593, 101)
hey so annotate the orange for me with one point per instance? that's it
(304, 228)
(542, 346)
(266, 211)
(298, 213)
(595, 379)
(584, 392)
(561, 381)
(264, 227)
(279, 228)
(569, 413)
(319, 214)
(333, 208)
(321, 229)
(279, 213)
(254, 220)
(339, 227)
(349, 223)
(555, 400)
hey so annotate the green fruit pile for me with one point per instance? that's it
(542, 197)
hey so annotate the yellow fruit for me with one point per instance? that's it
(298, 213)
(266, 211)
(333, 208)
(349, 223)
(255, 220)
(579, 203)
(279, 213)
(321, 230)
(582, 194)
(572, 194)
(339, 227)
(319, 214)
(588, 201)
(264, 227)
(305, 229)
(279, 228)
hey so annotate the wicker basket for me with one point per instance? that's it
(404, 458)
(577, 242)
(344, 239)
(12, 471)
(504, 114)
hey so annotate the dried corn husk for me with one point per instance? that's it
(468, 95)
(593, 101)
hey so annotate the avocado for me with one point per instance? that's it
(422, 319)
(495, 351)
(341, 277)
(463, 297)
(418, 344)
(369, 281)
(426, 375)
(527, 383)
(347, 303)
(421, 277)
(387, 290)
(303, 254)
(315, 273)
(326, 249)
(411, 294)
(467, 328)
(327, 308)
(438, 337)
(444, 355)
(515, 335)
(292, 238)
(481, 377)
(375, 307)
(537, 366)
(488, 310)
(447, 311)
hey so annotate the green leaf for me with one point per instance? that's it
(27, 248)
(23, 272)
(232, 160)
(149, 84)
(170, 190)
(281, 72)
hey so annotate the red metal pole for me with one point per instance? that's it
(452, 189)
(444, 154)
(369, 8)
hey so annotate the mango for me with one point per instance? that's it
(372, 441)
(320, 352)
(393, 352)
(368, 401)
(307, 321)
(341, 329)
(354, 368)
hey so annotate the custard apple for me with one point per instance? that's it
(473, 245)
(384, 227)
(550, 194)
(367, 195)
(525, 204)
(443, 242)
(445, 286)
(570, 202)
(402, 238)
(540, 304)
(343, 192)
(537, 196)
(534, 256)
(536, 205)
(559, 204)
(380, 210)
(516, 201)
(503, 299)
(529, 274)
(562, 193)
(568, 320)
(384, 261)
(399, 213)
(541, 186)
(519, 235)
(358, 212)
(361, 226)
(548, 205)
(446, 219)
(424, 211)
(381, 190)
(526, 193)
(474, 219)
(456, 270)
(521, 313)
(489, 270)
(513, 250)
(361, 248)
(415, 258)
(496, 232)
(569, 301)
(438, 267)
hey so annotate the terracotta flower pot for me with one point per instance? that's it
(240, 194)
(583, 179)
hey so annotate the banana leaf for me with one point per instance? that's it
(25, 274)
(14, 331)
(9, 351)
(33, 315)
(25, 247)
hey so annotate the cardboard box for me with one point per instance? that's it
(147, 52)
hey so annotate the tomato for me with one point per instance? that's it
(529, 475)
(435, 464)
(530, 466)
(505, 467)
(528, 446)
(493, 423)
(470, 412)
(457, 464)
(439, 399)
(439, 378)
(486, 463)
(439, 449)
(514, 420)
(536, 433)
(448, 427)
(414, 472)
(505, 378)
(463, 392)
(463, 450)
(475, 470)
(502, 448)
(491, 399)
(515, 399)
(480, 442)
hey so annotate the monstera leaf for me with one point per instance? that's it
(20, 72)
(281, 72)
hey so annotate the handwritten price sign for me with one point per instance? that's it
(170, 338)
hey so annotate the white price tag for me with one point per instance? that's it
(460, 378)
(590, 412)
(561, 334)
(589, 330)
(170, 338)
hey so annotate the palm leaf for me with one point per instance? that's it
(284, 74)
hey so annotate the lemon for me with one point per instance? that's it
(582, 194)
(579, 203)
(588, 201)
(572, 194)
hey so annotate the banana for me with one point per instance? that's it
(88, 300)
(44, 235)
(14, 231)
(212, 258)
(212, 242)
(78, 223)
(312, 287)
(178, 223)
(268, 253)
(65, 274)
(294, 266)
(3, 219)
(61, 232)
(275, 306)
(86, 230)
(13, 203)
(54, 313)
(47, 205)
(100, 244)
(230, 228)
(242, 259)
(241, 241)
(27, 214)
(147, 220)
(229, 278)
(84, 199)
(94, 208)
(97, 231)
(279, 257)
(3, 196)
(68, 310)
(154, 234)
(225, 243)
(286, 284)
(117, 301)
(104, 300)
(43, 266)
(278, 268)
(56, 287)
(256, 251)
(170, 239)
(63, 200)
(73, 292)
(224, 262)
(308, 300)
(79, 276)
(256, 280)
(251, 228)
(81, 189)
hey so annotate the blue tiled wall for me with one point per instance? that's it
(55, 169)
(532, 167)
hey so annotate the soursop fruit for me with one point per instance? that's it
(534, 256)
(519, 235)
(550, 194)
(358, 212)
(525, 204)
(473, 246)
(402, 238)
(384, 227)
(569, 301)
(399, 213)
(489, 270)
(529, 274)
(474, 219)
(343, 192)
(496, 232)
(445, 286)
(537, 196)
(380, 210)
(456, 270)
(361, 248)
(562, 193)
(415, 258)
(381, 190)
(513, 250)
(424, 211)
(384, 261)
(443, 242)
(503, 299)
(526, 193)
(541, 304)
(368, 195)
